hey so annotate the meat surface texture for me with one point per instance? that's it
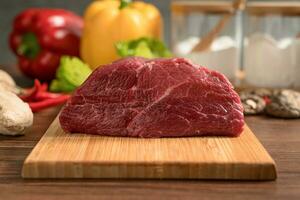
(139, 97)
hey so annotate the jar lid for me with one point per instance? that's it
(188, 6)
(281, 8)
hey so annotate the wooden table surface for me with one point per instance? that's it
(280, 137)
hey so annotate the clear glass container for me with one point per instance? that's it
(215, 24)
(272, 44)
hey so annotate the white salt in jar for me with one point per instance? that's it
(194, 21)
(272, 44)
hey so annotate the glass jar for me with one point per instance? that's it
(216, 25)
(272, 44)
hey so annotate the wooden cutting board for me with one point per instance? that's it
(61, 155)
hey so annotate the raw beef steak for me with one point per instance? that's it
(138, 97)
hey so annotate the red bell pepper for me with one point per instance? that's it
(41, 36)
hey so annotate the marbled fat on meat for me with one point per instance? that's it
(138, 97)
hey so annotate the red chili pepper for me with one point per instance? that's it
(32, 92)
(46, 103)
(46, 95)
(44, 87)
(40, 36)
(38, 98)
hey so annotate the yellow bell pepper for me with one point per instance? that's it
(107, 22)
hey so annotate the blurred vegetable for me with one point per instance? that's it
(108, 22)
(6, 78)
(144, 47)
(7, 83)
(15, 115)
(70, 74)
(30, 94)
(47, 103)
(39, 38)
(38, 98)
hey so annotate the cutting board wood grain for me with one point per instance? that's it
(62, 155)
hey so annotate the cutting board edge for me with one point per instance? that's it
(261, 171)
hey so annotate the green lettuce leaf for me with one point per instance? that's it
(144, 47)
(71, 73)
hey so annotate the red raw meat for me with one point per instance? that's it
(138, 97)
